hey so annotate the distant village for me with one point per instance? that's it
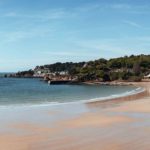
(47, 75)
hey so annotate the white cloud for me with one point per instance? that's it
(60, 53)
(120, 6)
(10, 14)
(115, 47)
(45, 15)
(88, 7)
(132, 23)
(15, 36)
(70, 53)
(106, 45)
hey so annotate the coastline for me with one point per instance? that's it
(133, 96)
(112, 125)
(48, 98)
(136, 91)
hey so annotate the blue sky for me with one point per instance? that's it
(46, 31)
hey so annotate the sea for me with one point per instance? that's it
(23, 91)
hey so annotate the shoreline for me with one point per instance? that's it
(131, 97)
(101, 100)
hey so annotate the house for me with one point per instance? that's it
(147, 76)
(41, 71)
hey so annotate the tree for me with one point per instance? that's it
(136, 68)
(106, 78)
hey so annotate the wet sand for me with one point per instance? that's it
(117, 124)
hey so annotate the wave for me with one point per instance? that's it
(127, 93)
(47, 104)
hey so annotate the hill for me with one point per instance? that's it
(130, 68)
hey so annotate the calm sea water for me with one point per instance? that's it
(33, 91)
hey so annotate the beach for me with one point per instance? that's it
(115, 124)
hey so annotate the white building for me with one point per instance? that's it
(147, 77)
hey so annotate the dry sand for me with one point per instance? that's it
(119, 124)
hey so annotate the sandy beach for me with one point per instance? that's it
(117, 124)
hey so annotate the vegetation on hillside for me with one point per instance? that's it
(130, 68)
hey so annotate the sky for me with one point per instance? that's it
(38, 32)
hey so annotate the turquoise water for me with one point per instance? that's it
(33, 91)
